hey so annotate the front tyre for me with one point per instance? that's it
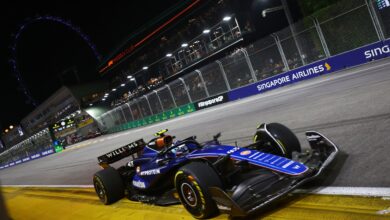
(283, 140)
(192, 182)
(108, 185)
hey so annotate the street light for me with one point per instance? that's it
(11, 127)
(206, 31)
(184, 45)
(145, 68)
(227, 18)
(168, 55)
(268, 10)
(122, 84)
(132, 78)
(286, 10)
(114, 90)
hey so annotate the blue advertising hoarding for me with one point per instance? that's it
(355, 57)
(26, 159)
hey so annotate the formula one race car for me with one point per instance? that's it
(210, 177)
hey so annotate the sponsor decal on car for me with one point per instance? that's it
(222, 207)
(246, 152)
(288, 164)
(150, 172)
(233, 150)
(122, 152)
(116, 152)
(296, 167)
(313, 137)
(139, 184)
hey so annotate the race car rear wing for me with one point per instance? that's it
(122, 152)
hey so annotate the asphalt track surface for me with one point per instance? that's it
(350, 107)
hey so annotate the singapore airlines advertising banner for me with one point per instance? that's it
(355, 57)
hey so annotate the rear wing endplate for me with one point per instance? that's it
(120, 153)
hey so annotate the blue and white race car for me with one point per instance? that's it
(208, 178)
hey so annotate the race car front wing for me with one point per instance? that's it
(260, 191)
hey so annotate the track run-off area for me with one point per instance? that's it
(350, 107)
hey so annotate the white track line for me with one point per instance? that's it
(48, 186)
(348, 191)
(331, 190)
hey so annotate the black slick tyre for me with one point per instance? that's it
(286, 141)
(285, 137)
(108, 185)
(192, 182)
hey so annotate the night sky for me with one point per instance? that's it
(47, 49)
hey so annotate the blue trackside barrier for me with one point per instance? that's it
(351, 58)
(27, 159)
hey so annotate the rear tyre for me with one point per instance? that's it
(285, 137)
(108, 185)
(192, 182)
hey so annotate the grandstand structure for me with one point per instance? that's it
(181, 60)
(195, 34)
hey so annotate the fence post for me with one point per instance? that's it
(131, 113)
(185, 88)
(123, 114)
(237, 25)
(170, 92)
(281, 52)
(131, 110)
(159, 100)
(112, 117)
(223, 74)
(292, 28)
(375, 20)
(99, 123)
(139, 108)
(204, 84)
(150, 107)
(321, 36)
(249, 63)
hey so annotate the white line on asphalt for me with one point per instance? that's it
(348, 191)
(48, 186)
(331, 190)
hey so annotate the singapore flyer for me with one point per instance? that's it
(14, 47)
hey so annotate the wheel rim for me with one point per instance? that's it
(100, 191)
(189, 194)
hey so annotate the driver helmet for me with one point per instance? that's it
(164, 141)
